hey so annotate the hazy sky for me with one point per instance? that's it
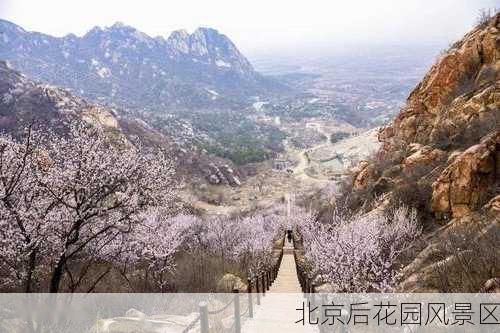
(261, 25)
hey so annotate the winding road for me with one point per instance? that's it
(300, 169)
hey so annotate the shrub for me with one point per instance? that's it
(484, 15)
(468, 258)
(338, 136)
(415, 191)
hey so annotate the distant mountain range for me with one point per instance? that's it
(25, 102)
(122, 66)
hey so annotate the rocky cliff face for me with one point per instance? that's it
(208, 46)
(453, 118)
(445, 146)
(460, 90)
(123, 66)
(469, 180)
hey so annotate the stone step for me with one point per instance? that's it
(278, 310)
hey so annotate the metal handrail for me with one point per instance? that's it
(221, 309)
(263, 279)
(305, 280)
(191, 324)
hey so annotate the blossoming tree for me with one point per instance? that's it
(70, 197)
(358, 253)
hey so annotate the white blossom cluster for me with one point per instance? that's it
(358, 253)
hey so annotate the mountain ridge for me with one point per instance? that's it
(124, 66)
(25, 102)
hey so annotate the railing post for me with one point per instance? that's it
(312, 288)
(203, 317)
(237, 321)
(250, 300)
(263, 284)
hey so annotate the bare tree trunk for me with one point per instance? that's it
(31, 269)
(57, 275)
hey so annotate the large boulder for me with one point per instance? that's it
(492, 286)
(221, 175)
(134, 313)
(361, 175)
(423, 156)
(229, 282)
(228, 173)
(100, 116)
(465, 183)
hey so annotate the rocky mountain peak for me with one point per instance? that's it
(120, 25)
(6, 26)
(178, 41)
(118, 34)
(207, 45)
(94, 31)
(180, 34)
(207, 31)
(207, 36)
(126, 67)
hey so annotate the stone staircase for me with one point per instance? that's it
(278, 310)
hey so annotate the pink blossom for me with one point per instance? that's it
(358, 253)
